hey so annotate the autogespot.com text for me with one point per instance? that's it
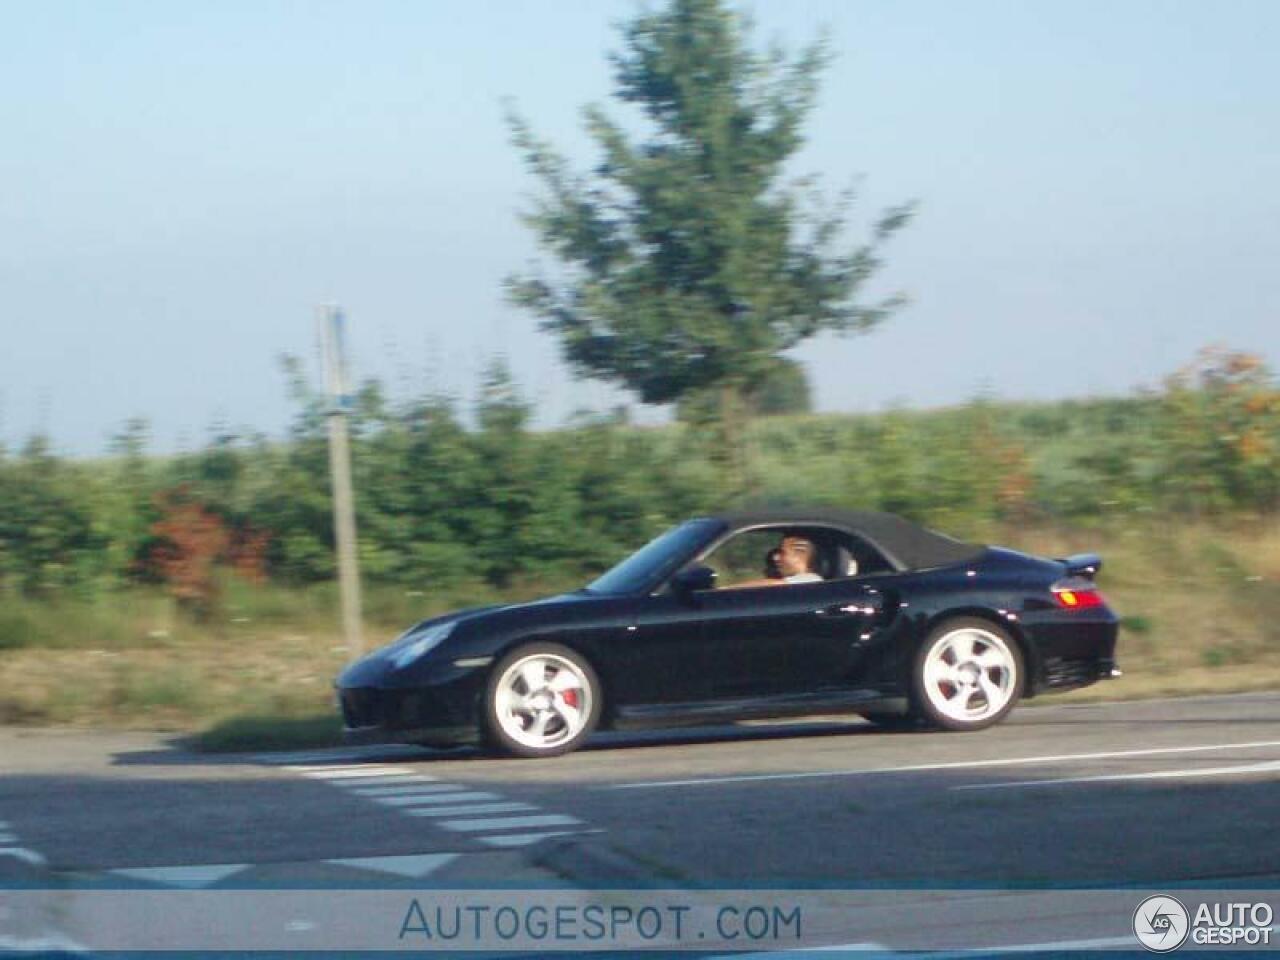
(489, 924)
(448, 921)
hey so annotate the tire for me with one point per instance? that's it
(542, 700)
(968, 674)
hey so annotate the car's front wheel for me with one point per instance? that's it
(542, 700)
(968, 675)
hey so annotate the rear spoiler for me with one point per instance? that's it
(1082, 564)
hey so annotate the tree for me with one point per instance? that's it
(50, 537)
(782, 389)
(690, 265)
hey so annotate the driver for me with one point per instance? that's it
(796, 558)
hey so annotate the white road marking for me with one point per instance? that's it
(354, 773)
(511, 823)
(291, 760)
(417, 865)
(51, 945)
(383, 781)
(467, 809)
(381, 753)
(409, 788)
(23, 854)
(524, 839)
(195, 877)
(423, 799)
(6, 839)
(421, 795)
(956, 765)
(318, 759)
(1272, 766)
(341, 767)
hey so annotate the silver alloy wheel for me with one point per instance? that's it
(970, 674)
(543, 700)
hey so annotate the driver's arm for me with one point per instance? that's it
(756, 583)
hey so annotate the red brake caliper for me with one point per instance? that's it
(570, 697)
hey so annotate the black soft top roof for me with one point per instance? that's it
(905, 544)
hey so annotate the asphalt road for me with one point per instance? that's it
(1150, 794)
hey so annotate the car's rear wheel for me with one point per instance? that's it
(968, 675)
(542, 700)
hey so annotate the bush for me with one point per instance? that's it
(457, 509)
(16, 629)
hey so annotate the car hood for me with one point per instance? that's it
(380, 661)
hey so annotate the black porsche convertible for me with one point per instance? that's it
(742, 616)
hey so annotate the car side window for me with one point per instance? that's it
(743, 558)
(747, 557)
(852, 556)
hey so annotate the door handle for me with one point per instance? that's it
(862, 608)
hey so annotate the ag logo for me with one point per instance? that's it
(1161, 923)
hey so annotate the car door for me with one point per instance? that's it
(732, 644)
(783, 640)
(661, 655)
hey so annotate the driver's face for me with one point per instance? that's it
(793, 557)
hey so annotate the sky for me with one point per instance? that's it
(184, 183)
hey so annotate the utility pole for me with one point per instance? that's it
(338, 390)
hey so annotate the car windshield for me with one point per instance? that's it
(656, 560)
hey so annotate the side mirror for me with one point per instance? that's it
(692, 580)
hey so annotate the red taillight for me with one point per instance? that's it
(1077, 596)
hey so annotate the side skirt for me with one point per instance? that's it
(753, 708)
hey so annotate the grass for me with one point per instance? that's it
(132, 661)
(1200, 602)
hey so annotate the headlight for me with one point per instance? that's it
(425, 643)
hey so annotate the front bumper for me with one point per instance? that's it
(443, 713)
